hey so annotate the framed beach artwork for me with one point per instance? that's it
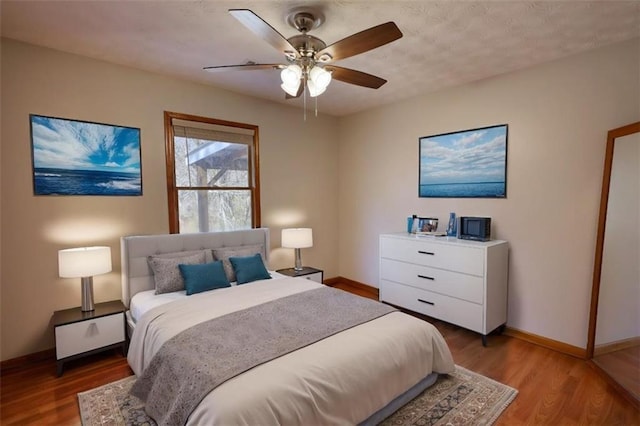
(72, 157)
(464, 164)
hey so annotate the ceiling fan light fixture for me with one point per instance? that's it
(325, 57)
(291, 75)
(320, 77)
(290, 54)
(315, 89)
(307, 55)
(291, 89)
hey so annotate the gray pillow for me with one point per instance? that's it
(225, 253)
(166, 273)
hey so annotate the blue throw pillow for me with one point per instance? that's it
(249, 268)
(203, 277)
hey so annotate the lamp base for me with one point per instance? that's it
(87, 294)
(298, 266)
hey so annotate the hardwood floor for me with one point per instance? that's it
(624, 366)
(554, 389)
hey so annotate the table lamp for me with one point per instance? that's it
(297, 238)
(84, 262)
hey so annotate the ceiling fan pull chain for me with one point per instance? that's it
(304, 99)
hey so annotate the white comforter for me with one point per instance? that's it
(339, 380)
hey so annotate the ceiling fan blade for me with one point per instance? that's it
(360, 42)
(262, 29)
(358, 78)
(245, 67)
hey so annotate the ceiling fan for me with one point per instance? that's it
(308, 59)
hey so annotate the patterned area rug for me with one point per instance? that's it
(461, 398)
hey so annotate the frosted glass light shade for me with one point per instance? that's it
(291, 75)
(292, 90)
(297, 238)
(320, 77)
(314, 89)
(84, 261)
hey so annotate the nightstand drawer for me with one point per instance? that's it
(83, 336)
(317, 277)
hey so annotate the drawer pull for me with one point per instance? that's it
(428, 303)
(426, 252)
(425, 277)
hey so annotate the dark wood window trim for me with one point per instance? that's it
(172, 190)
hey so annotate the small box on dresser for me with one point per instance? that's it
(458, 281)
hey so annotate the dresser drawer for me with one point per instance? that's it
(83, 336)
(461, 286)
(465, 314)
(458, 258)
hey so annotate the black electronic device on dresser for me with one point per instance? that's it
(474, 228)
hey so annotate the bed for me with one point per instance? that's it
(358, 375)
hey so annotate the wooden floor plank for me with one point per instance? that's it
(554, 389)
(624, 366)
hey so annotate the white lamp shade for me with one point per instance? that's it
(84, 261)
(297, 238)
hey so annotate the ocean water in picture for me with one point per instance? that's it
(72, 157)
(469, 163)
(85, 182)
(482, 189)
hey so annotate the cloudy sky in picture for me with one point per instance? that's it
(472, 156)
(78, 145)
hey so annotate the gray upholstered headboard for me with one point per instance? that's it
(136, 273)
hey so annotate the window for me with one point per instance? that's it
(212, 174)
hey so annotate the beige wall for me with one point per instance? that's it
(298, 164)
(354, 177)
(558, 115)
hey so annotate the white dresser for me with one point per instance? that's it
(458, 281)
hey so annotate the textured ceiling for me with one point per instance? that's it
(445, 43)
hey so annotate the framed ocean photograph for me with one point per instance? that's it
(72, 157)
(464, 164)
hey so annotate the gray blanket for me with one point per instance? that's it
(191, 364)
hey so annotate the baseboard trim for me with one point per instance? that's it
(509, 331)
(331, 281)
(336, 280)
(616, 346)
(546, 342)
(26, 360)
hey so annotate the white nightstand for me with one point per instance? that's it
(307, 272)
(80, 334)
